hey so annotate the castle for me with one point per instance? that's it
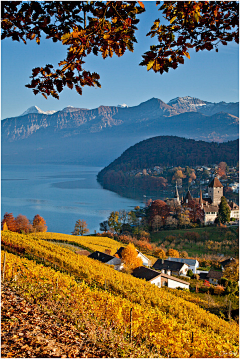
(210, 204)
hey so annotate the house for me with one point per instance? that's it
(192, 263)
(107, 259)
(203, 275)
(214, 276)
(159, 279)
(172, 282)
(171, 267)
(148, 274)
(234, 210)
(210, 213)
(145, 260)
(227, 262)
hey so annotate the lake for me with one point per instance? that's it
(61, 194)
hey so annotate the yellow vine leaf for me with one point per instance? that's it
(150, 64)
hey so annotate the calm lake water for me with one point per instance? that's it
(61, 194)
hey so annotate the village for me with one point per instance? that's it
(171, 272)
(177, 270)
(197, 176)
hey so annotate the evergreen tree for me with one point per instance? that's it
(223, 211)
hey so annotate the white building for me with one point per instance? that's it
(159, 279)
(193, 264)
(107, 259)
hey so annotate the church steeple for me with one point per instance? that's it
(200, 199)
(176, 196)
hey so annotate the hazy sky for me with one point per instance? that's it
(207, 75)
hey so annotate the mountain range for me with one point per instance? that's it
(98, 136)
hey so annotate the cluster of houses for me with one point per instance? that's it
(162, 272)
(209, 202)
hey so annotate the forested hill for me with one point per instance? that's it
(173, 151)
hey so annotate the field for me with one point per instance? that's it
(225, 240)
(130, 317)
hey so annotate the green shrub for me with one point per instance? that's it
(190, 273)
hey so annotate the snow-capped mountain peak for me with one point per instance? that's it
(35, 109)
(186, 99)
(123, 105)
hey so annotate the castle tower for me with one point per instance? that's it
(215, 191)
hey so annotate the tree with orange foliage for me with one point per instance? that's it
(158, 208)
(178, 175)
(160, 253)
(144, 245)
(23, 224)
(130, 258)
(222, 167)
(89, 28)
(39, 224)
(196, 213)
(80, 228)
(219, 289)
(9, 219)
(192, 177)
(172, 253)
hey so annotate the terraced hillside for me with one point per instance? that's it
(129, 316)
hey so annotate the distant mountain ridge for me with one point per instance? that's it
(80, 134)
(180, 104)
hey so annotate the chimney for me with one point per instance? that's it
(162, 260)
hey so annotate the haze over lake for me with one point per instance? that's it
(61, 194)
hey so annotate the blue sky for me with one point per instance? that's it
(207, 75)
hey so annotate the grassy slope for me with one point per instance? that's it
(215, 234)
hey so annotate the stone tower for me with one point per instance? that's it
(215, 191)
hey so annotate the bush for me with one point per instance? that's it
(204, 289)
(190, 273)
(196, 276)
(224, 281)
(219, 289)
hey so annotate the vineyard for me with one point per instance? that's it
(91, 243)
(141, 319)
